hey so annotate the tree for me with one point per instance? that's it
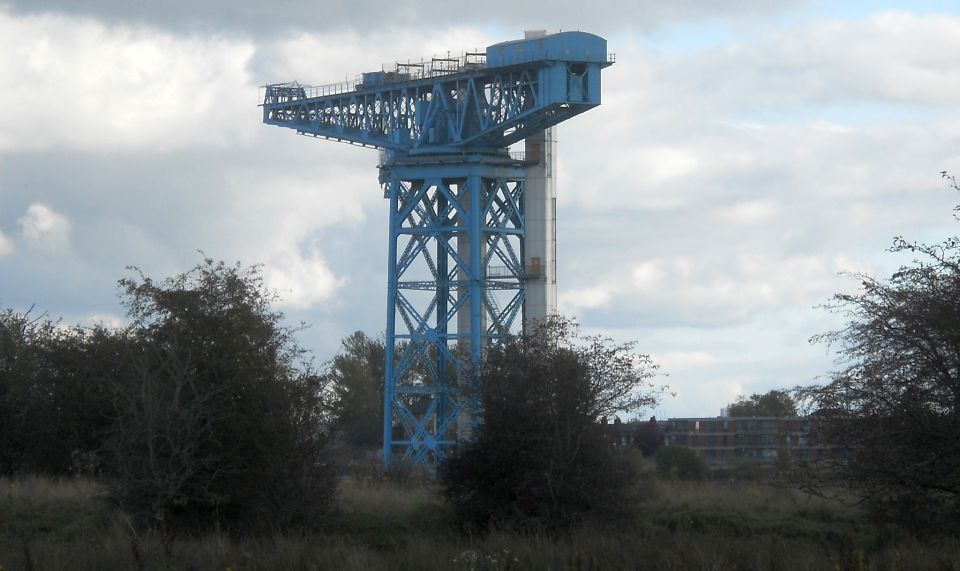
(54, 405)
(772, 403)
(19, 366)
(648, 437)
(894, 401)
(217, 412)
(356, 378)
(680, 463)
(70, 415)
(540, 457)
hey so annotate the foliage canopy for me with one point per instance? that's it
(217, 415)
(53, 400)
(355, 377)
(540, 457)
(772, 403)
(680, 463)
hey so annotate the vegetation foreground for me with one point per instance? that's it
(217, 444)
(67, 524)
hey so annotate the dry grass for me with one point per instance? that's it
(384, 497)
(64, 524)
(39, 490)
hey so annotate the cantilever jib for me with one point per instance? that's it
(449, 105)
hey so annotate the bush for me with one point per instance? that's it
(356, 377)
(680, 463)
(217, 416)
(541, 459)
(53, 399)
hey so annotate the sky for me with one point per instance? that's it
(747, 157)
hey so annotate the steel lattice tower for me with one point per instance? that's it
(463, 270)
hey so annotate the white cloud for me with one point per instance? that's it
(712, 291)
(730, 194)
(891, 57)
(78, 84)
(6, 245)
(336, 56)
(706, 397)
(748, 212)
(573, 300)
(284, 208)
(677, 361)
(108, 320)
(302, 280)
(45, 229)
(286, 221)
(648, 275)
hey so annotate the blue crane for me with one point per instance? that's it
(471, 242)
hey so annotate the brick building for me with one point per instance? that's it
(724, 440)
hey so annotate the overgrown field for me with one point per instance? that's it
(66, 524)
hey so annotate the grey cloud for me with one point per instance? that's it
(373, 17)
(157, 211)
(893, 58)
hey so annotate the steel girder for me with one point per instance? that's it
(455, 285)
(480, 108)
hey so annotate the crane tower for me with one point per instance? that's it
(472, 238)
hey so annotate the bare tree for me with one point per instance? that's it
(894, 401)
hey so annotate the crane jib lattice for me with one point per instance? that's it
(520, 88)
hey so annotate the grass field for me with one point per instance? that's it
(49, 524)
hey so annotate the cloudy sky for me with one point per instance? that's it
(746, 152)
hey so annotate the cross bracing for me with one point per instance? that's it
(447, 232)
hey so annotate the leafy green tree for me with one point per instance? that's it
(540, 457)
(218, 414)
(680, 463)
(772, 403)
(54, 404)
(648, 437)
(894, 401)
(356, 378)
(19, 367)
(69, 420)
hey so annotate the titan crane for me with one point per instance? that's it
(472, 242)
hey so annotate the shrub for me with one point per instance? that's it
(217, 415)
(680, 463)
(540, 459)
(53, 399)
